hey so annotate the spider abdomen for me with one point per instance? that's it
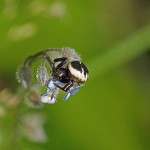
(78, 71)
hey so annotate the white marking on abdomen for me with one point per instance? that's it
(77, 73)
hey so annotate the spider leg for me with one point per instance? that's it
(69, 92)
(66, 96)
(62, 61)
(72, 92)
(66, 88)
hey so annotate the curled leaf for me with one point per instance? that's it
(42, 75)
(24, 76)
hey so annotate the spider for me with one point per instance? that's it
(68, 73)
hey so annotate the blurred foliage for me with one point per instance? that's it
(111, 112)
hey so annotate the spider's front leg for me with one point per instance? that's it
(62, 61)
(69, 89)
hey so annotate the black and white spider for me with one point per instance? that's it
(67, 73)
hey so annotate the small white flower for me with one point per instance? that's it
(45, 98)
(50, 97)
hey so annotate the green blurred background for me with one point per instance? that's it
(112, 111)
